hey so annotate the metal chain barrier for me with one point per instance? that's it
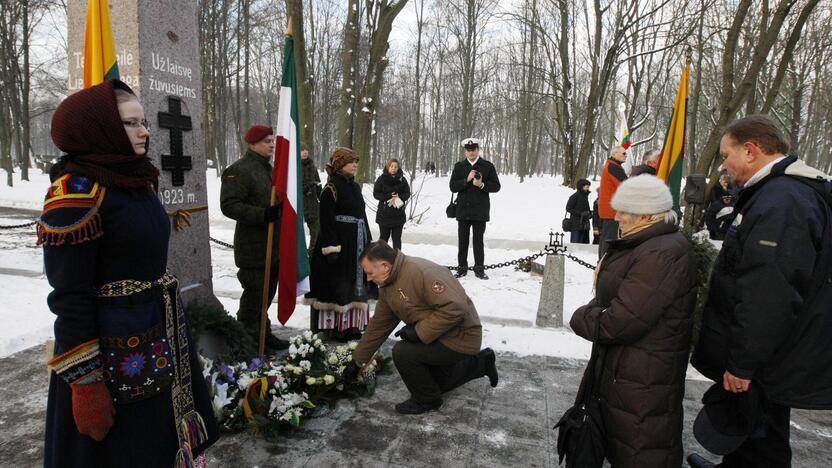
(554, 247)
(19, 226)
(219, 242)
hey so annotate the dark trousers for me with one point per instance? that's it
(770, 447)
(609, 232)
(251, 302)
(479, 250)
(579, 237)
(429, 370)
(396, 231)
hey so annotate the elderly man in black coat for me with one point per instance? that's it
(472, 180)
(768, 319)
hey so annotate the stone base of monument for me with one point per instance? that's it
(550, 307)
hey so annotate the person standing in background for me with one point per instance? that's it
(392, 191)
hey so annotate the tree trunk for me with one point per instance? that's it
(346, 109)
(305, 86)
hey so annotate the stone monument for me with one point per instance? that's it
(550, 307)
(158, 56)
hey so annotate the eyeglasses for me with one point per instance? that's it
(135, 123)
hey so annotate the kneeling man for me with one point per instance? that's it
(440, 342)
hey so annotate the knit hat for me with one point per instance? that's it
(581, 183)
(257, 133)
(341, 156)
(642, 195)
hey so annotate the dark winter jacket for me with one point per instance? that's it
(642, 169)
(718, 216)
(768, 316)
(311, 189)
(244, 196)
(578, 207)
(596, 217)
(386, 185)
(472, 202)
(644, 300)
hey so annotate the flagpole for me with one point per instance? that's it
(264, 309)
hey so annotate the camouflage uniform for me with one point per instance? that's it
(244, 196)
(311, 200)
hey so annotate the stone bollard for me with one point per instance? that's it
(550, 308)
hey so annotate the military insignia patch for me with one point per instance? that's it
(438, 287)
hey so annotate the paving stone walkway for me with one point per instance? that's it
(478, 426)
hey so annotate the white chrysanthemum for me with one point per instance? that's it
(293, 349)
(244, 381)
(329, 380)
(333, 359)
(306, 365)
(310, 381)
(307, 335)
(277, 405)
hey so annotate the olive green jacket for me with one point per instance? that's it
(311, 189)
(244, 196)
(421, 293)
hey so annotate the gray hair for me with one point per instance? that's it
(650, 156)
(669, 217)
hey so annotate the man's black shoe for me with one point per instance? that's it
(697, 461)
(275, 343)
(412, 406)
(460, 273)
(481, 275)
(490, 359)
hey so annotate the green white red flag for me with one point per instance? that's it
(293, 278)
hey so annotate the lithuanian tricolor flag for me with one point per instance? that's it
(293, 278)
(625, 139)
(99, 46)
(671, 161)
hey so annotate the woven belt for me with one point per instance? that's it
(361, 240)
(129, 287)
(189, 424)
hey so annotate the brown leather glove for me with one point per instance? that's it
(93, 410)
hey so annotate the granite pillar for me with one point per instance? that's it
(158, 56)
(550, 307)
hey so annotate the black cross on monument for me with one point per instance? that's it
(173, 120)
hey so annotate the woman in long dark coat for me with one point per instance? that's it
(339, 289)
(126, 387)
(392, 191)
(645, 292)
(579, 213)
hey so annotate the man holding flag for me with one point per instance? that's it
(245, 197)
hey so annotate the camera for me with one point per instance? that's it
(477, 175)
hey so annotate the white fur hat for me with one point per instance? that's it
(642, 195)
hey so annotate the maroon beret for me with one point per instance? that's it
(257, 133)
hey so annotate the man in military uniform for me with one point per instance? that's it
(440, 347)
(245, 197)
(311, 194)
(472, 180)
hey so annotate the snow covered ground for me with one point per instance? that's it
(522, 215)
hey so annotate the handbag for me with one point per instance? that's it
(450, 211)
(566, 224)
(581, 432)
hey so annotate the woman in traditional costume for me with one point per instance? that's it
(126, 387)
(339, 295)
